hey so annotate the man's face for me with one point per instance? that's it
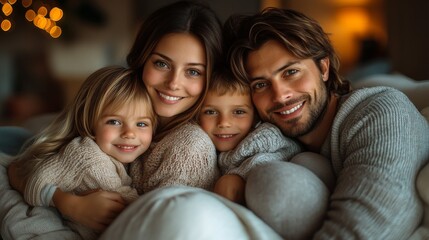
(287, 91)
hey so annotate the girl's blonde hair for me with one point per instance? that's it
(109, 87)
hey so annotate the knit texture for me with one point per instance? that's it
(377, 144)
(264, 144)
(80, 167)
(184, 157)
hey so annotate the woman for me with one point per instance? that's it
(175, 52)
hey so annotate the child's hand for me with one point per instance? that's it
(231, 186)
(95, 210)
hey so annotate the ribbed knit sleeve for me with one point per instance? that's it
(80, 167)
(264, 144)
(186, 157)
(378, 143)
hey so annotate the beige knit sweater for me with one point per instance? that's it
(186, 157)
(82, 166)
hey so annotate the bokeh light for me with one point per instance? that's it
(6, 25)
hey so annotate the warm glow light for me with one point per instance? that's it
(7, 9)
(42, 11)
(350, 2)
(55, 32)
(6, 25)
(3, 1)
(56, 14)
(12, 1)
(26, 3)
(354, 20)
(30, 15)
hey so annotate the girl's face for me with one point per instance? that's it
(175, 73)
(125, 132)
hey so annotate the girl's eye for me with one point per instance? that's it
(194, 73)
(113, 122)
(142, 124)
(209, 112)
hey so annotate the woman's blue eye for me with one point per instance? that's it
(161, 64)
(193, 72)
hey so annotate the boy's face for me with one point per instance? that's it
(227, 119)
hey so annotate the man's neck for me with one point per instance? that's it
(314, 140)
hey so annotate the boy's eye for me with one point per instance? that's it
(113, 122)
(210, 112)
(239, 112)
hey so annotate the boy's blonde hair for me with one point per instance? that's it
(109, 87)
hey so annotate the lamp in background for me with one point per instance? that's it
(43, 15)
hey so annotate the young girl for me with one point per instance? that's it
(229, 118)
(109, 124)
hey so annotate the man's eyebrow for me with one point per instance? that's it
(280, 69)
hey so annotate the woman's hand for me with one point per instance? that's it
(231, 186)
(95, 210)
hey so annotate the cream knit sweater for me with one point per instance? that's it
(185, 157)
(80, 167)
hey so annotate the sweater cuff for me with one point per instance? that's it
(47, 194)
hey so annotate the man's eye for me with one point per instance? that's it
(290, 72)
(113, 122)
(259, 85)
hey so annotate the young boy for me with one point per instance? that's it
(229, 118)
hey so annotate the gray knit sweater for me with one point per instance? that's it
(264, 144)
(377, 144)
(184, 157)
(80, 167)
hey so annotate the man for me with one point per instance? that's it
(376, 139)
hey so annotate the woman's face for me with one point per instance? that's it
(175, 73)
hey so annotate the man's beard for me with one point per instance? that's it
(293, 127)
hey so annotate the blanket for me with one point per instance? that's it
(20, 221)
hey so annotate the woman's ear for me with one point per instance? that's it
(324, 68)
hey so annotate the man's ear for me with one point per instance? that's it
(324, 68)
